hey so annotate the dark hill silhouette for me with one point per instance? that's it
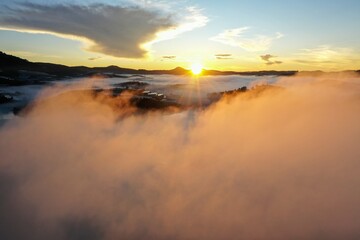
(12, 66)
(8, 61)
(13, 63)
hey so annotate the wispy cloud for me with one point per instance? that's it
(324, 54)
(192, 19)
(327, 57)
(268, 59)
(237, 38)
(120, 31)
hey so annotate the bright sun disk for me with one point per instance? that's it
(196, 68)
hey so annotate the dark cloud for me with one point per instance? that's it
(94, 58)
(112, 30)
(268, 59)
(223, 56)
(169, 57)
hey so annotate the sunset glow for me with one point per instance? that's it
(196, 68)
(189, 120)
(157, 35)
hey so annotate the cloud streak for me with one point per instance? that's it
(94, 58)
(119, 31)
(224, 56)
(237, 38)
(169, 57)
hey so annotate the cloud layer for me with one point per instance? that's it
(120, 31)
(237, 38)
(280, 165)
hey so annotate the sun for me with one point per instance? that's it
(196, 68)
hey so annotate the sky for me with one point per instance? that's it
(240, 35)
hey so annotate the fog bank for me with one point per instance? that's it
(281, 164)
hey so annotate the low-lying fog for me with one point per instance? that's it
(178, 86)
(283, 164)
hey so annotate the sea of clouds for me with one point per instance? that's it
(281, 164)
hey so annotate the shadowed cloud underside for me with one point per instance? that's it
(119, 31)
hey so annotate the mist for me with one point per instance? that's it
(278, 164)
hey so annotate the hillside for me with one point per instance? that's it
(15, 68)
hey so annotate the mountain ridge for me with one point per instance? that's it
(11, 65)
